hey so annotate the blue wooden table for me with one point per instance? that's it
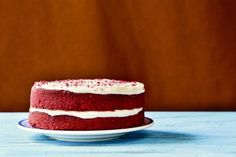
(173, 134)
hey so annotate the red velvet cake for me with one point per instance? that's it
(86, 104)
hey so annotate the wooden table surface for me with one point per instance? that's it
(173, 134)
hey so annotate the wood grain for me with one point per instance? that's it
(192, 134)
(184, 51)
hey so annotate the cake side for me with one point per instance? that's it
(86, 104)
(64, 100)
(44, 121)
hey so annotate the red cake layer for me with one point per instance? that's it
(65, 100)
(44, 121)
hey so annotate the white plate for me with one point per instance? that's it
(83, 136)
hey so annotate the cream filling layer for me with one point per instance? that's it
(89, 114)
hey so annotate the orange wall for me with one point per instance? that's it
(184, 51)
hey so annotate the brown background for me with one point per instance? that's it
(183, 50)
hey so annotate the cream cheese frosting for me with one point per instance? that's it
(89, 114)
(95, 86)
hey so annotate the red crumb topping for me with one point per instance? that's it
(89, 82)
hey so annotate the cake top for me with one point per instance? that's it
(94, 86)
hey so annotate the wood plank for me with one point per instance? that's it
(174, 134)
(184, 50)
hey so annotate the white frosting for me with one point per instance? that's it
(95, 86)
(89, 114)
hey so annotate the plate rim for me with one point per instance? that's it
(86, 132)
